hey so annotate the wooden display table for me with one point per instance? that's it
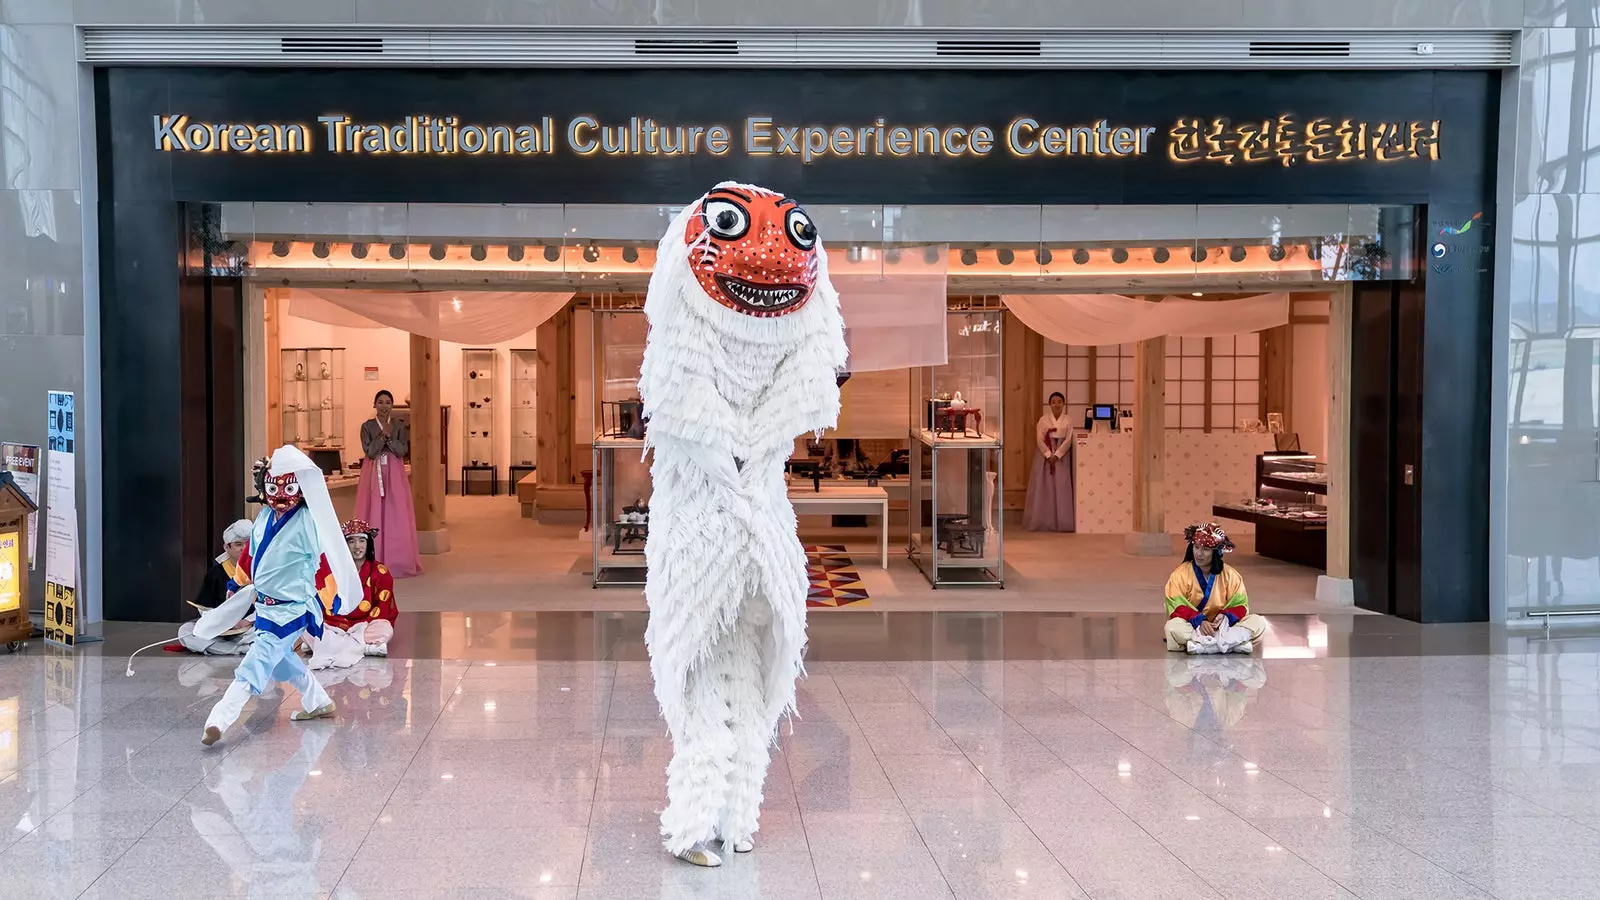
(845, 498)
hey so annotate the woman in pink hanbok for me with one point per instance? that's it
(1051, 504)
(384, 496)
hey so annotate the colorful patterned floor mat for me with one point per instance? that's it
(834, 579)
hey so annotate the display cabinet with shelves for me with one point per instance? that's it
(524, 414)
(956, 533)
(619, 511)
(313, 403)
(1288, 508)
(479, 390)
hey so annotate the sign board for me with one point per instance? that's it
(61, 521)
(878, 137)
(10, 571)
(22, 461)
(10, 718)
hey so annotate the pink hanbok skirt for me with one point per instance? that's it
(389, 510)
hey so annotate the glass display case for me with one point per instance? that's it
(957, 536)
(524, 414)
(478, 389)
(1288, 508)
(620, 511)
(313, 403)
(959, 403)
(1293, 473)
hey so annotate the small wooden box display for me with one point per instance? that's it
(15, 561)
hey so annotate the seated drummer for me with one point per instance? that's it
(1204, 593)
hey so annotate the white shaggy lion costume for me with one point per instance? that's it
(745, 344)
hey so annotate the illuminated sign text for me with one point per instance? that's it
(1285, 139)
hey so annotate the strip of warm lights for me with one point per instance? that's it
(1325, 257)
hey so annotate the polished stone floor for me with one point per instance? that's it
(1357, 758)
(500, 562)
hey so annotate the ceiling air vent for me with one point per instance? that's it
(671, 47)
(1299, 49)
(335, 44)
(988, 48)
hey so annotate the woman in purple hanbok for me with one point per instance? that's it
(1050, 505)
(383, 498)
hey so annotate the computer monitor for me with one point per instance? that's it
(1101, 412)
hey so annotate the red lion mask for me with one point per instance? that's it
(753, 251)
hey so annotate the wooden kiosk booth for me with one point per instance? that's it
(15, 560)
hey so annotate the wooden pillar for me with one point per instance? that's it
(427, 464)
(559, 494)
(1149, 535)
(1023, 400)
(1277, 362)
(557, 394)
(273, 314)
(1336, 586)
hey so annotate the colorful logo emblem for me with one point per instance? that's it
(1463, 228)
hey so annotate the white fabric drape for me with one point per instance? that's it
(462, 317)
(893, 323)
(1098, 320)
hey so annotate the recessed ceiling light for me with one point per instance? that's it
(1199, 293)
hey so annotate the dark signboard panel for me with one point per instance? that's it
(530, 136)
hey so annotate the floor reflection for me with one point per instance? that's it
(1210, 693)
(256, 833)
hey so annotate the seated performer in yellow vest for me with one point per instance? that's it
(1205, 593)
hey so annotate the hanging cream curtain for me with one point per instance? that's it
(893, 323)
(1098, 320)
(462, 317)
(894, 316)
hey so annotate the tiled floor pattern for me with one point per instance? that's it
(1403, 777)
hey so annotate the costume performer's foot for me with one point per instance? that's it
(212, 735)
(376, 649)
(321, 712)
(744, 846)
(700, 856)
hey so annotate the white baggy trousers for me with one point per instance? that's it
(270, 659)
(720, 754)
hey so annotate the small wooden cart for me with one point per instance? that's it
(15, 561)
